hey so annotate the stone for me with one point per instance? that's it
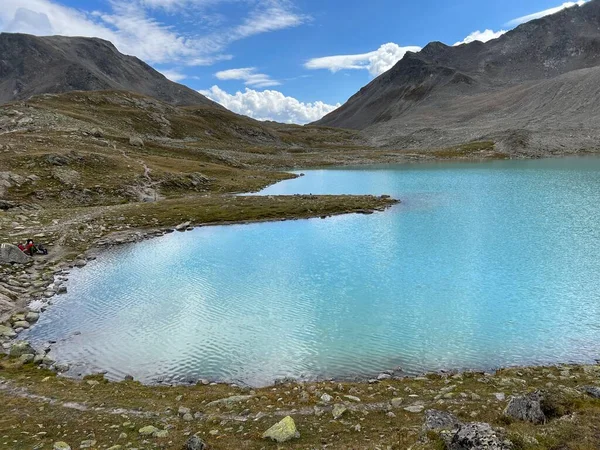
(182, 411)
(7, 332)
(21, 348)
(195, 443)
(161, 434)
(61, 368)
(592, 391)
(383, 376)
(10, 253)
(97, 132)
(136, 141)
(352, 398)
(182, 226)
(27, 358)
(338, 411)
(80, 263)
(527, 408)
(230, 401)
(283, 431)
(414, 408)
(149, 430)
(396, 402)
(326, 398)
(439, 420)
(115, 447)
(21, 324)
(87, 444)
(188, 417)
(32, 317)
(477, 436)
(61, 446)
(500, 396)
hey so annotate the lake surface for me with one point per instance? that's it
(482, 265)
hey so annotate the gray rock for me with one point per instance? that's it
(7, 332)
(592, 391)
(80, 263)
(21, 324)
(32, 317)
(136, 141)
(326, 398)
(440, 420)
(182, 411)
(61, 446)
(12, 254)
(195, 443)
(477, 436)
(97, 132)
(27, 358)
(21, 348)
(527, 408)
(396, 402)
(414, 408)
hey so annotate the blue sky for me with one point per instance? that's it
(287, 60)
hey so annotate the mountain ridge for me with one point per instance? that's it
(423, 90)
(32, 65)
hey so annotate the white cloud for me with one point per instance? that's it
(376, 62)
(270, 105)
(483, 36)
(173, 75)
(546, 12)
(129, 25)
(249, 75)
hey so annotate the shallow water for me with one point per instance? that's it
(482, 265)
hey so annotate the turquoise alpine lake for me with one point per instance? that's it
(482, 265)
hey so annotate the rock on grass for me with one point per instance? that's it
(283, 431)
(527, 408)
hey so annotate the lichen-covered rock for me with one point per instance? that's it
(195, 443)
(61, 446)
(527, 408)
(10, 253)
(21, 348)
(7, 332)
(148, 430)
(478, 436)
(439, 420)
(283, 431)
(338, 411)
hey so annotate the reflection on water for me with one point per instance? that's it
(482, 265)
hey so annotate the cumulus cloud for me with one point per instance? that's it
(376, 62)
(249, 76)
(129, 25)
(270, 105)
(546, 12)
(483, 36)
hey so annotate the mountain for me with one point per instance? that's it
(536, 87)
(31, 65)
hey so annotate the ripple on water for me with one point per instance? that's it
(482, 265)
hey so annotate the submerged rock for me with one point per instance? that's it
(283, 431)
(527, 408)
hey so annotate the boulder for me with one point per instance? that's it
(136, 141)
(477, 436)
(527, 408)
(12, 254)
(195, 443)
(7, 332)
(439, 420)
(21, 348)
(283, 431)
(592, 391)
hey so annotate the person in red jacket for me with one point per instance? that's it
(30, 247)
(21, 246)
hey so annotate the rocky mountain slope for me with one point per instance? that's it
(31, 65)
(535, 88)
